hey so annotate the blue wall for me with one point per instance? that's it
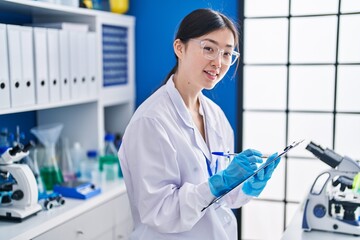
(156, 25)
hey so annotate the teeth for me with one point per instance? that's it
(212, 74)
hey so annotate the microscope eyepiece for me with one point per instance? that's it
(328, 156)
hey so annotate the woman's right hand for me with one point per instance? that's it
(241, 167)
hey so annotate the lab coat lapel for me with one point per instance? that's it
(186, 118)
(178, 103)
(214, 138)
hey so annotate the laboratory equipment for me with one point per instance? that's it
(18, 188)
(109, 166)
(77, 189)
(90, 166)
(78, 156)
(49, 170)
(110, 157)
(110, 148)
(332, 204)
(66, 163)
(48, 201)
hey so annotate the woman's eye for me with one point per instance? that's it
(208, 49)
(227, 54)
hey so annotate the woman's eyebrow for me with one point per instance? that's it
(213, 41)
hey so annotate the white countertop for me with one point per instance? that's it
(47, 219)
(295, 232)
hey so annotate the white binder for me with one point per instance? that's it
(91, 64)
(83, 56)
(53, 64)
(64, 65)
(74, 65)
(41, 66)
(27, 53)
(21, 89)
(4, 69)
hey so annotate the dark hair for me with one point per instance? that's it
(201, 22)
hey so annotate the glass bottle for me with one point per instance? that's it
(89, 167)
(110, 149)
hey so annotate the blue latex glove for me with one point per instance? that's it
(256, 184)
(240, 168)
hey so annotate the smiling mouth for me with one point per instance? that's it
(211, 73)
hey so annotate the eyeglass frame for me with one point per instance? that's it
(219, 50)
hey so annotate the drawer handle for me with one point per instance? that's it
(120, 237)
(80, 232)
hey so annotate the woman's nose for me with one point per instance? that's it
(218, 60)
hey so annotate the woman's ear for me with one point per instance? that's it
(178, 48)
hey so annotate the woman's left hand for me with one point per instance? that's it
(256, 184)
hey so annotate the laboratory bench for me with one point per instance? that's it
(295, 232)
(105, 216)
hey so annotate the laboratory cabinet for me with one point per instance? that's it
(98, 223)
(83, 79)
(105, 216)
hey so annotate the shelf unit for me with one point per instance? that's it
(85, 120)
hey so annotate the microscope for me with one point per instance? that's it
(332, 204)
(18, 187)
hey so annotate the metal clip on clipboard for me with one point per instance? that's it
(286, 150)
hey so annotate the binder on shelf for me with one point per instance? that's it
(53, 64)
(21, 72)
(92, 64)
(41, 66)
(74, 65)
(64, 65)
(4, 70)
(27, 52)
(83, 56)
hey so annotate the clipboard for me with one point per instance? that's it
(286, 150)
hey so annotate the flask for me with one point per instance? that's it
(48, 135)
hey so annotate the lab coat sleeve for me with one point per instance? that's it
(160, 199)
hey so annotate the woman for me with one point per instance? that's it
(166, 159)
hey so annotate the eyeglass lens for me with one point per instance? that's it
(211, 51)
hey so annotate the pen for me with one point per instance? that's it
(225, 154)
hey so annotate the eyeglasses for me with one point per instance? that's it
(211, 51)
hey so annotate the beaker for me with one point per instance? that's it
(66, 162)
(48, 135)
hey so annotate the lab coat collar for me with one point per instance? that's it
(179, 103)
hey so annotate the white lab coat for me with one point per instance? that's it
(165, 171)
